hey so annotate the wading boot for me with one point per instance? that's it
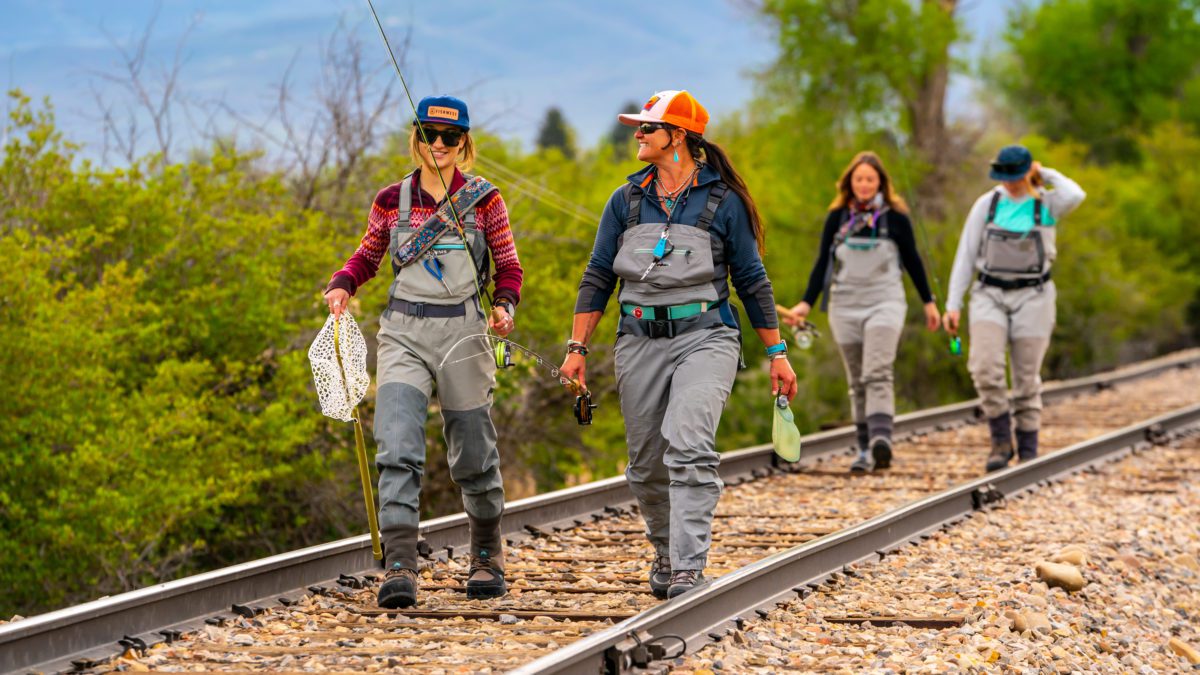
(399, 589)
(486, 577)
(1000, 428)
(660, 576)
(1027, 445)
(880, 426)
(683, 581)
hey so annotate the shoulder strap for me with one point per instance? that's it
(1037, 212)
(991, 217)
(634, 216)
(406, 186)
(882, 228)
(467, 197)
(715, 195)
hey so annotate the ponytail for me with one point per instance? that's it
(714, 156)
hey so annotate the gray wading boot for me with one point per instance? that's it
(486, 576)
(880, 427)
(1002, 445)
(865, 462)
(683, 581)
(1027, 445)
(399, 588)
(660, 576)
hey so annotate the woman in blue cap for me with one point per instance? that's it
(439, 227)
(1008, 246)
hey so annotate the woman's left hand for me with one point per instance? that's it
(783, 378)
(932, 318)
(501, 322)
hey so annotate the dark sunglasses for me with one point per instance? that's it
(648, 128)
(450, 137)
(1009, 169)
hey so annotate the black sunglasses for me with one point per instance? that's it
(1009, 169)
(648, 128)
(450, 137)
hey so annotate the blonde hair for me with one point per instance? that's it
(466, 150)
(845, 191)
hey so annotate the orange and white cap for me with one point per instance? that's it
(677, 108)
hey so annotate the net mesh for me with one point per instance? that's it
(339, 394)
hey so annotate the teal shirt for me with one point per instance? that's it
(1017, 216)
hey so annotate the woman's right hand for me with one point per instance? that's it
(337, 299)
(950, 320)
(575, 367)
(797, 315)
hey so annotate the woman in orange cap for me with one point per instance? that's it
(674, 236)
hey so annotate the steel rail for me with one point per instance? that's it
(93, 630)
(695, 616)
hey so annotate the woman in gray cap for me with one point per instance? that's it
(1008, 246)
(438, 227)
(673, 236)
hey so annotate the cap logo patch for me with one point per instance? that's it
(650, 103)
(442, 111)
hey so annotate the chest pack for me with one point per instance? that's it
(432, 264)
(669, 263)
(1014, 250)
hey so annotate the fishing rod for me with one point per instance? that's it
(500, 347)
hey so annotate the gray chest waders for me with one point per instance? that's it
(1012, 307)
(433, 304)
(675, 362)
(866, 306)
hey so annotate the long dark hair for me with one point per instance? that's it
(703, 150)
(845, 191)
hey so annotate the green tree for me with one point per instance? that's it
(555, 134)
(1103, 71)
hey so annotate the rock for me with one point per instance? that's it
(1184, 649)
(1066, 577)
(1030, 621)
(1072, 554)
(243, 639)
(508, 619)
(1187, 560)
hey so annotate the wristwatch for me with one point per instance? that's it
(508, 307)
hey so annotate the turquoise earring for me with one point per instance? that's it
(676, 158)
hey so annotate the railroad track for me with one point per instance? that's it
(577, 567)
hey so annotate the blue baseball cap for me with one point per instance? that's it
(443, 110)
(1012, 163)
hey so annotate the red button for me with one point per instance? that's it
(637, 312)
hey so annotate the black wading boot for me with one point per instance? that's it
(486, 576)
(683, 581)
(880, 427)
(1027, 445)
(1002, 445)
(660, 576)
(399, 589)
(865, 462)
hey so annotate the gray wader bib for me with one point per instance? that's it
(866, 314)
(673, 377)
(433, 304)
(1012, 308)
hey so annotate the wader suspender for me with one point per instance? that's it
(1037, 210)
(881, 230)
(715, 195)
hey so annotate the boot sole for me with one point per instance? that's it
(486, 592)
(675, 592)
(397, 600)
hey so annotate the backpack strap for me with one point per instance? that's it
(1037, 212)
(634, 214)
(405, 209)
(715, 195)
(991, 217)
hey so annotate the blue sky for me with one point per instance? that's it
(511, 59)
